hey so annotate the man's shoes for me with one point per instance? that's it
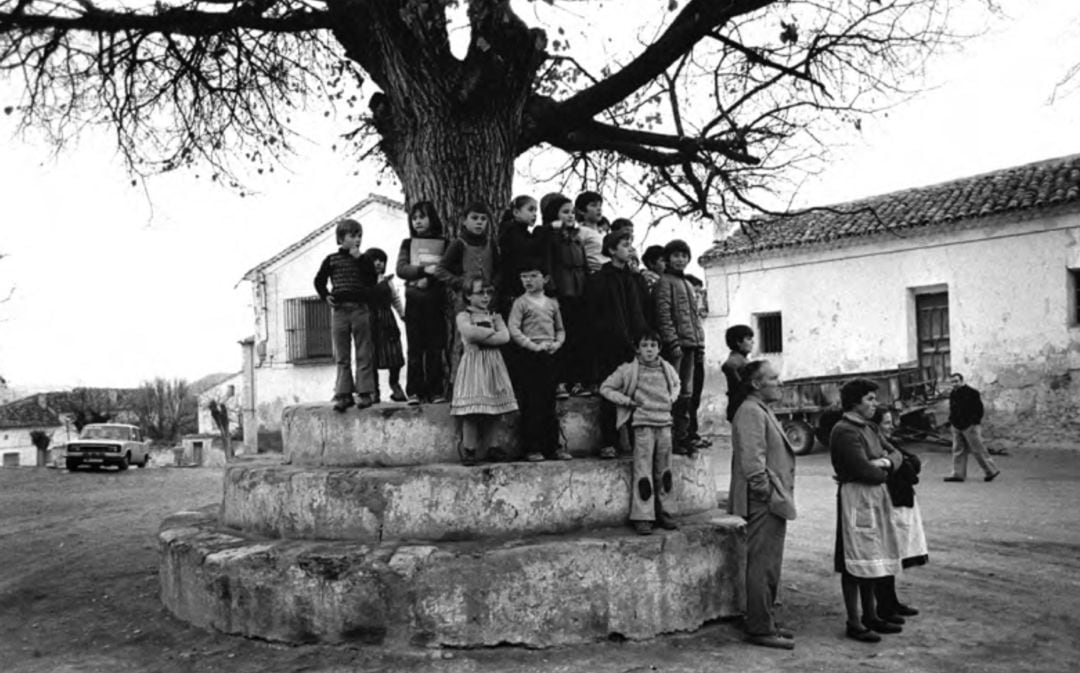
(991, 477)
(881, 626)
(438, 399)
(560, 392)
(892, 619)
(563, 454)
(608, 452)
(905, 610)
(534, 457)
(413, 401)
(364, 400)
(642, 527)
(955, 479)
(343, 403)
(495, 454)
(784, 633)
(396, 393)
(772, 640)
(863, 635)
(666, 521)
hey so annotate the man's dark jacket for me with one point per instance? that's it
(965, 407)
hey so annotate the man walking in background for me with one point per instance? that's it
(965, 415)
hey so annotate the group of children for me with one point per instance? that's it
(544, 310)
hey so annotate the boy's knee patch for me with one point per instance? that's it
(665, 481)
(644, 488)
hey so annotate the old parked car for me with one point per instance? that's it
(101, 444)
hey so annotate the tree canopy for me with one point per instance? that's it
(694, 105)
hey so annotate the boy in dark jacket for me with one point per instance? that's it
(353, 278)
(680, 329)
(618, 302)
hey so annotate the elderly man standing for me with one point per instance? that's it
(762, 492)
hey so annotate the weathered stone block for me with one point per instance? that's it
(539, 592)
(393, 434)
(446, 502)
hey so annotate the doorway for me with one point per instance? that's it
(932, 328)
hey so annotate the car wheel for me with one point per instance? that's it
(71, 465)
(145, 460)
(801, 436)
(125, 461)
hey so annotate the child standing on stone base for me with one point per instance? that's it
(589, 207)
(569, 271)
(385, 334)
(619, 310)
(701, 304)
(482, 387)
(352, 279)
(425, 323)
(536, 329)
(643, 391)
(680, 329)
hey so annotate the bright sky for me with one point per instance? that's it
(113, 285)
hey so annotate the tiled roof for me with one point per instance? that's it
(1032, 187)
(372, 198)
(27, 413)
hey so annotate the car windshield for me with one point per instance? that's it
(105, 432)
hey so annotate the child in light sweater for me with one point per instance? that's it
(536, 329)
(643, 390)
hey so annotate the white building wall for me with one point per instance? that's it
(17, 441)
(852, 309)
(220, 393)
(279, 383)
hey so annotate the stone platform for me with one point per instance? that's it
(395, 434)
(538, 591)
(368, 530)
(446, 502)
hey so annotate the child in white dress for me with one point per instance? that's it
(482, 387)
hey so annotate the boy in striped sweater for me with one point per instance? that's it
(352, 278)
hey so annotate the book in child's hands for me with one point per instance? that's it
(425, 251)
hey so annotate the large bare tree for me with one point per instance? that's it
(713, 100)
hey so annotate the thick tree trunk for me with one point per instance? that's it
(454, 162)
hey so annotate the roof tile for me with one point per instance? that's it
(1034, 186)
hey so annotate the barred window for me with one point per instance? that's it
(1074, 297)
(307, 330)
(770, 329)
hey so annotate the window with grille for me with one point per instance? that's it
(307, 330)
(770, 329)
(1074, 297)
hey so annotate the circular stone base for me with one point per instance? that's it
(447, 502)
(537, 592)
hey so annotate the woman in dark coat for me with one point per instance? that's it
(908, 522)
(867, 548)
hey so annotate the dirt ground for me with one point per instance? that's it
(78, 589)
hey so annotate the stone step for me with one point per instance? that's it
(395, 434)
(537, 592)
(446, 502)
